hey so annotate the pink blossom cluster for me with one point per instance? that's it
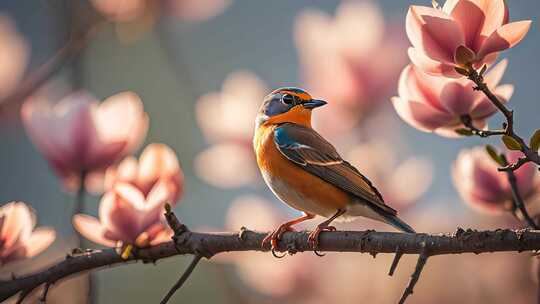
(433, 96)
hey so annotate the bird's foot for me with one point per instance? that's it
(274, 237)
(313, 238)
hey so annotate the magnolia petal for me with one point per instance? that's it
(17, 224)
(471, 19)
(449, 5)
(126, 171)
(163, 236)
(119, 215)
(40, 239)
(419, 115)
(121, 117)
(157, 161)
(425, 27)
(130, 196)
(496, 15)
(484, 108)
(431, 66)
(526, 175)
(456, 99)
(160, 194)
(505, 37)
(504, 92)
(495, 74)
(92, 229)
(478, 181)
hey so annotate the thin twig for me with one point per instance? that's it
(517, 198)
(422, 260)
(80, 195)
(467, 122)
(79, 208)
(182, 279)
(190, 242)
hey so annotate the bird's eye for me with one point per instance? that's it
(287, 99)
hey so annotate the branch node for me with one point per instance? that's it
(242, 233)
(173, 221)
(459, 232)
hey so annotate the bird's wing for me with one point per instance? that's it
(311, 151)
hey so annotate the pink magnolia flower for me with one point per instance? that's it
(227, 120)
(126, 216)
(346, 64)
(17, 240)
(14, 53)
(80, 135)
(481, 26)
(400, 183)
(484, 188)
(436, 104)
(157, 166)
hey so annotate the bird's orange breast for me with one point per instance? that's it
(291, 183)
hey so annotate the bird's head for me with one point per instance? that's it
(287, 105)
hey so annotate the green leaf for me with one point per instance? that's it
(495, 155)
(510, 143)
(464, 132)
(535, 140)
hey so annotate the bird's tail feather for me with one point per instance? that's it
(398, 223)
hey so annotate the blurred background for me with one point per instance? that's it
(201, 70)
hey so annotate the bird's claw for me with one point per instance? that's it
(276, 255)
(274, 237)
(313, 238)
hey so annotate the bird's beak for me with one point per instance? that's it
(314, 103)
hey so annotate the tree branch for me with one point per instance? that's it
(209, 244)
(508, 126)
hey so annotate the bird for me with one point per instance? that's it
(306, 172)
